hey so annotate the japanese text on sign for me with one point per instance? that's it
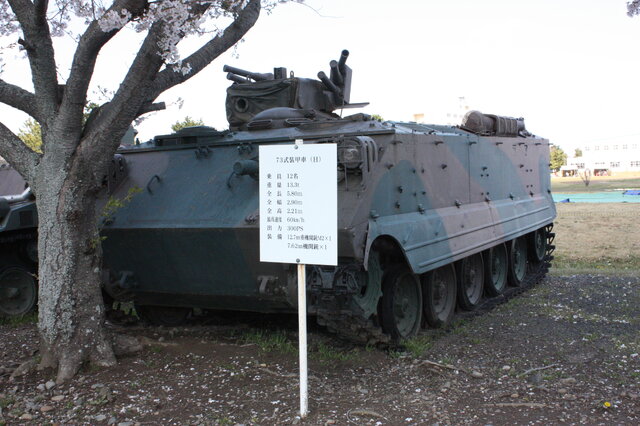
(298, 204)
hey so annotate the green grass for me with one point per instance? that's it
(419, 345)
(270, 341)
(591, 337)
(447, 360)
(6, 401)
(30, 318)
(278, 341)
(394, 353)
(460, 326)
(155, 349)
(475, 340)
(568, 185)
(553, 375)
(227, 366)
(326, 353)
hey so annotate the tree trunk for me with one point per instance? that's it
(71, 311)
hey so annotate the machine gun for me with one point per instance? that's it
(252, 92)
(241, 76)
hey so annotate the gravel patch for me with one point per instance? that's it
(567, 351)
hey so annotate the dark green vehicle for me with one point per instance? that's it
(18, 245)
(431, 218)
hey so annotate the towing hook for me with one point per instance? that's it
(246, 167)
(202, 152)
(242, 168)
(154, 177)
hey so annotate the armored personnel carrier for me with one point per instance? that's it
(18, 248)
(432, 218)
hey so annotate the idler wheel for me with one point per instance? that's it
(537, 245)
(167, 316)
(517, 261)
(401, 311)
(496, 270)
(18, 290)
(439, 288)
(470, 276)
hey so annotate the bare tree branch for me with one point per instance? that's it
(148, 107)
(17, 153)
(124, 107)
(139, 87)
(21, 7)
(39, 51)
(18, 98)
(84, 60)
(211, 50)
(40, 8)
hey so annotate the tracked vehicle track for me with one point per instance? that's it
(349, 325)
(535, 274)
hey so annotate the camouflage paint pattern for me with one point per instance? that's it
(190, 238)
(179, 214)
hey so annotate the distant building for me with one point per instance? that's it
(614, 157)
(450, 114)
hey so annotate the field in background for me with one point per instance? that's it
(597, 183)
(600, 238)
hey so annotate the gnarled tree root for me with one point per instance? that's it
(68, 359)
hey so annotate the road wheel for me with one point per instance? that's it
(537, 245)
(517, 261)
(470, 277)
(439, 288)
(167, 316)
(401, 311)
(496, 270)
(18, 290)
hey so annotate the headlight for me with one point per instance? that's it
(350, 154)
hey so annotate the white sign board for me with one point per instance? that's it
(299, 204)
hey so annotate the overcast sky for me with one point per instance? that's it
(568, 67)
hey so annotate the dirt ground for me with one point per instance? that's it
(565, 352)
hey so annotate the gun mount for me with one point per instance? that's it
(253, 94)
(236, 74)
